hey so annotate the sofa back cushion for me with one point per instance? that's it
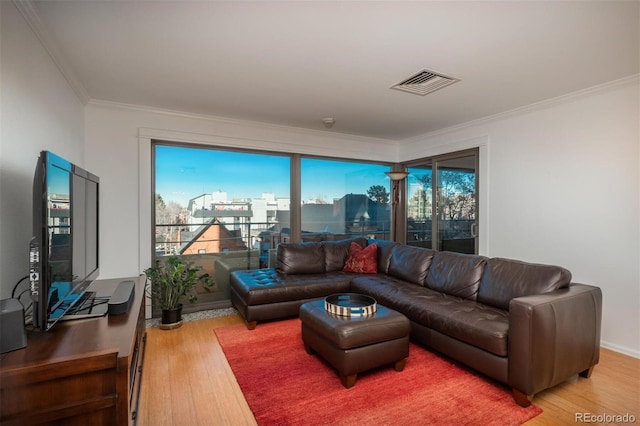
(385, 248)
(506, 279)
(337, 252)
(456, 274)
(301, 258)
(410, 263)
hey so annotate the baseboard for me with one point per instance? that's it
(620, 349)
(205, 306)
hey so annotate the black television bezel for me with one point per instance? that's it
(41, 243)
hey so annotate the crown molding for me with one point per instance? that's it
(631, 79)
(244, 123)
(30, 13)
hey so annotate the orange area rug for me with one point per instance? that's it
(285, 386)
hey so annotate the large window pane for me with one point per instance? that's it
(219, 209)
(226, 210)
(419, 206)
(442, 202)
(342, 199)
(456, 204)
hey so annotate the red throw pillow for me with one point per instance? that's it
(362, 260)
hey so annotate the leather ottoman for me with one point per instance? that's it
(355, 344)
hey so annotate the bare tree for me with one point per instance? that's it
(168, 215)
(456, 192)
(455, 196)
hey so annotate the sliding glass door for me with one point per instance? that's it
(442, 206)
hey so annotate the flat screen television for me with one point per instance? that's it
(63, 254)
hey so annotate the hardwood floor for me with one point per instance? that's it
(187, 381)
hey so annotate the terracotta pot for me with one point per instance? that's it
(171, 318)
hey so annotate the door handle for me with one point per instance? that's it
(474, 230)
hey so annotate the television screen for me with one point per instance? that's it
(63, 258)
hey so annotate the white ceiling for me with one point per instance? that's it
(294, 63)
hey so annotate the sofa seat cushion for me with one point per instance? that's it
(262, 286)
(474, 323)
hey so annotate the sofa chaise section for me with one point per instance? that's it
(305, 272)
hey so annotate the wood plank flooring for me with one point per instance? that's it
(187, 380)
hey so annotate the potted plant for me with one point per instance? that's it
(171, 281)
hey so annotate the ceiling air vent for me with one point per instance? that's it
(424, 82)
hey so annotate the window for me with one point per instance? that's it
(226, 210)
(217, 209)
(449, 223)
(342, 199)
(212, 201)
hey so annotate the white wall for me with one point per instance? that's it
(118, 149)
(38, 111)
(563, 187)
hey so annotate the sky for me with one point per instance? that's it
(183, 173)
(58, 181)
(57, 171)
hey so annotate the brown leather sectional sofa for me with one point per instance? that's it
(525, 325)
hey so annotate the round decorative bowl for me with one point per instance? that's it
(350, 305)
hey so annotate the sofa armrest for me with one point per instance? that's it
(553, 336)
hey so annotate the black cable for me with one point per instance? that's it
(23, 292)
(81, 307)
(25, 309)
(13, 292)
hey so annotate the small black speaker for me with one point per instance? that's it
(12, 332)
(121, 298)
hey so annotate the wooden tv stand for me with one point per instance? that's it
(81, 371)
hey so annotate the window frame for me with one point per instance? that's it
(295, 174)
(434, 160)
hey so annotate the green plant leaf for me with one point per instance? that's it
(172, 280)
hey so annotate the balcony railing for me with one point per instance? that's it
(454, 235)
(236, 246)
